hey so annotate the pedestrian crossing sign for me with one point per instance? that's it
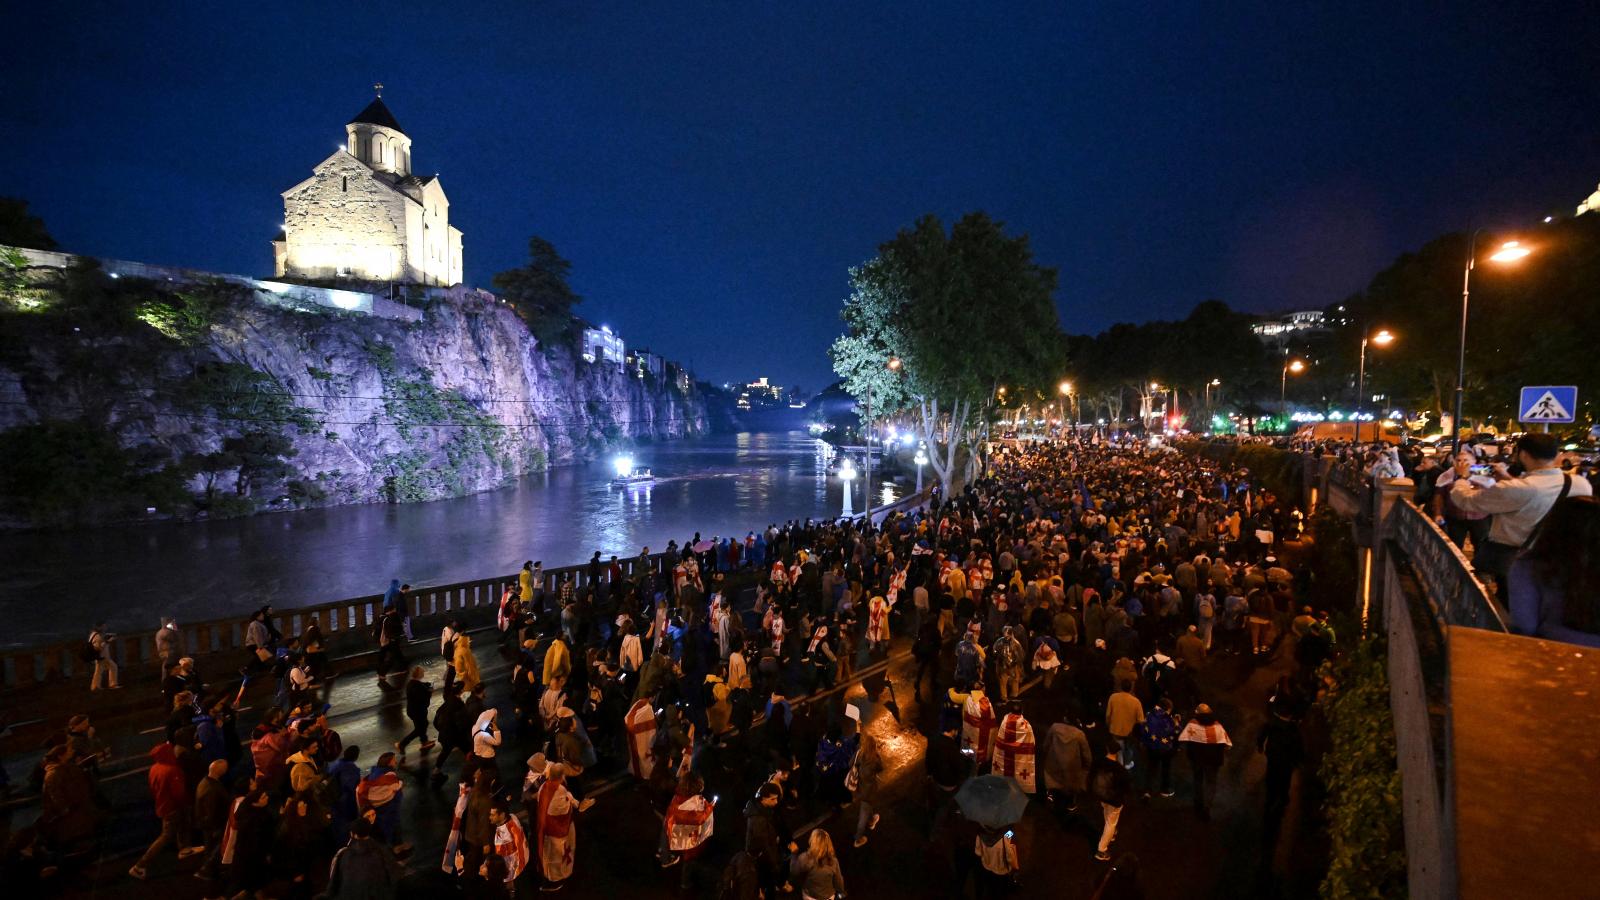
(1549, 405)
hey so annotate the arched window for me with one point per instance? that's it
(377, 150)
(344, 183)
(393, 159)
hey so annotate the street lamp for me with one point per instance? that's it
(1383, 338)
(847, 474)
(1215, 382)
(1295, 366)
(921, 459)
(892, 365)
(1509, 252)
(1061, 405)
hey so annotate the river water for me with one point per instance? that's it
(54, 585)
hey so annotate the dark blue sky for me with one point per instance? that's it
(713, 169)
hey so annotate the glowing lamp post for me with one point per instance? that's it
(1383, 339)
(921, 459)
(1295, 366)
(1509, 252)
(847, 474)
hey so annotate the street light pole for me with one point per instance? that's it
(1461, 349)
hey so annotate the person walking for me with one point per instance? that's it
(390, 636)
(1067, 760)
(465, 664)
(1124, 713)
(364, 869)
(486, 740)
(454, 727)
(380, 794)
(1205, 741)
(211, 803)
(419, 694)
(1280, 742)
(1159, 735)
(862, 780)
(816, 871)
(97, 650)
(1110, 783)
(555, 829)
(173, 804)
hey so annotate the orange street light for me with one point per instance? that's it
(1509, 252)
(1383, 338)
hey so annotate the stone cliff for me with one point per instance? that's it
(123, 399)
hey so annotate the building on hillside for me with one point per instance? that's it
(1281, 328)
(364, 215)
(601, 345)
(642, 362)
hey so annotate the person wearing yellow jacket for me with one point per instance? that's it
(466, 665)
(557, 661)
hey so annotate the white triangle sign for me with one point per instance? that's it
(1546, 408)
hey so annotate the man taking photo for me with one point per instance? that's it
(1518, 502)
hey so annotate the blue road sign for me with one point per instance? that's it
(1548, 404)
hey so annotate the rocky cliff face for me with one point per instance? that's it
(116, 399)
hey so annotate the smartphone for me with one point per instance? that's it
(1010, 834)
(1478, 470)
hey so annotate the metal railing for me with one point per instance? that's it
(346, 626)
(1442, 570)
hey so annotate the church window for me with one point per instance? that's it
(344, 182)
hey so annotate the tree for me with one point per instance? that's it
(20, 228)
(539, 292)
(260, 457)
(965, 312)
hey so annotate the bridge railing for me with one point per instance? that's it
(346, 625)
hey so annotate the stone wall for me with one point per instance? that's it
(346, 217)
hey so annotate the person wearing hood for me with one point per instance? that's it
(380, 795)
(364, 869)
(1206, 742)
(170, 791)
(465, 664)
(345, 777)
(557, 661)
(761, 837)
(554, 829)
(486, 739)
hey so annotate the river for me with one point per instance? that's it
(131, 576)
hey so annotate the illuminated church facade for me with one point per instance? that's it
(364, 215)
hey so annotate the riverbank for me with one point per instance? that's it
(57, 583)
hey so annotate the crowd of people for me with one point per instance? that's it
(1063, 608)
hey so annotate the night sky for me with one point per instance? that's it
(713, 169)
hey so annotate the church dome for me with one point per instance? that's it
(375, 137)
(377, 114)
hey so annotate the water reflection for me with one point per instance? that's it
(53, 585)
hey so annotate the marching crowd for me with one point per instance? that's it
(1086, 585)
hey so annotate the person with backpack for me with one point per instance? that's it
(969, 661)
(1205, 613)
(97, 652)
(1158, 734)
(1008, 664)
(998, 862)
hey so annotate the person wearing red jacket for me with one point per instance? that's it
(170, 791)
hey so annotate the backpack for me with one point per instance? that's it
(89, 653)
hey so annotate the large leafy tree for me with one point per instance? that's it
(539, 292)
(966, 312)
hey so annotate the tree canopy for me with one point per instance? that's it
(965, 311)
(20, 228)
(539, 292)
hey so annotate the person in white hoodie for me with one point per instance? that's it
(486, 740)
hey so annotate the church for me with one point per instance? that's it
(364, 216)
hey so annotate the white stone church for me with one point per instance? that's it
(363, 215)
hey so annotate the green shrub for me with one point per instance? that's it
(67, 472)
(238, 392)
(1360, 770)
